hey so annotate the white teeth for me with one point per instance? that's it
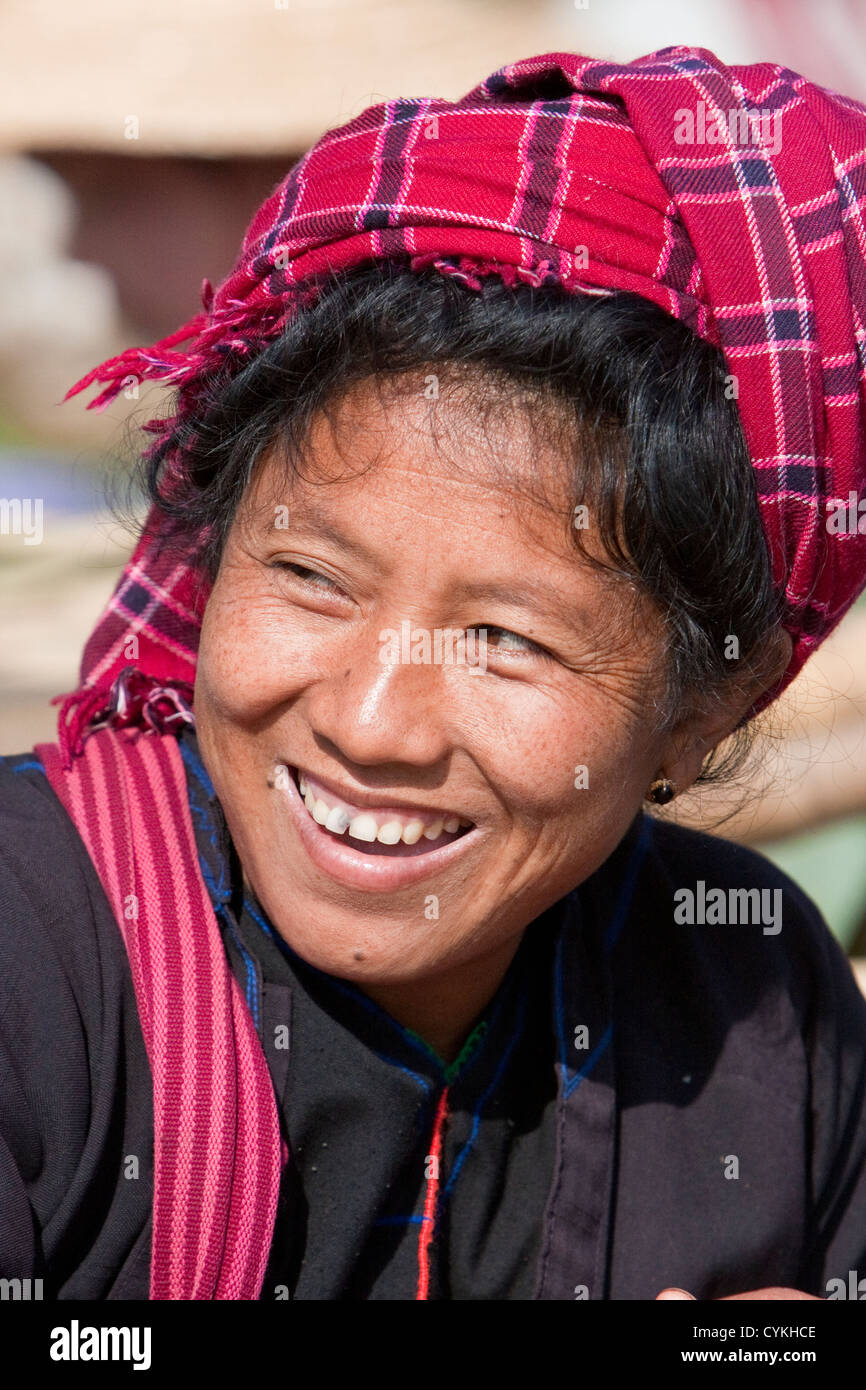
(364, 827)
(338, 820)
(390, 833)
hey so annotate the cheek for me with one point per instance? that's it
(250, 657)
(563, 757)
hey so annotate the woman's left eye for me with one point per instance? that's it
(502, 639)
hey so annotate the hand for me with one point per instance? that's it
(757, 1295)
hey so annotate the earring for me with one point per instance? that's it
(661, 791)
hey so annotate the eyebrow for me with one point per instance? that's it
(316, 523)
(536, 598)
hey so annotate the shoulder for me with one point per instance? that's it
(697, 849)
(55, 921)
(41, 853)
(733, 913)
(74, 1076)
(695, 862)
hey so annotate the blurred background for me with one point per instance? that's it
(137, 140)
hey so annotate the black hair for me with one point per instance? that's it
(647, 420)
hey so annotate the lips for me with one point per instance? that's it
(371, 865)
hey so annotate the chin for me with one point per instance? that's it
(358, 946)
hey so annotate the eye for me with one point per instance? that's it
(309, 579)
(502, 639)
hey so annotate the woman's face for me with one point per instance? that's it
(319, 655)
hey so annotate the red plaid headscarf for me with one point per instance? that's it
(733, 197)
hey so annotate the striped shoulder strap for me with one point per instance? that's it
(216, 1132)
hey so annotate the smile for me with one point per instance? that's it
(383, 826)
(372, 847)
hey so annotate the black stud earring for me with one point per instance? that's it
(661, 791)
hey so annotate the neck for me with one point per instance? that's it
(442, 1009)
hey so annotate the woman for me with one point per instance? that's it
(492, 504)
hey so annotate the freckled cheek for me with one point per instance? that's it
(569, 768)
(532, 759)
(250, 659)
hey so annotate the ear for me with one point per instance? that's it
(697, 734)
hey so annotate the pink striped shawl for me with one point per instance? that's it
(217, 1142)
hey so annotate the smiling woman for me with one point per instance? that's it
(416, 498)
(473, 535)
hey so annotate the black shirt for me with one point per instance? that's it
(643, 1103)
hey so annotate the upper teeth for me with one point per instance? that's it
(388, 828)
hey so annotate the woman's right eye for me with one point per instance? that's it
(311, 579)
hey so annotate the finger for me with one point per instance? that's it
(675, 1293)
(766, 1295)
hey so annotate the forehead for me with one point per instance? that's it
(441, 444)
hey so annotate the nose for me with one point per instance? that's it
(377, 707)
